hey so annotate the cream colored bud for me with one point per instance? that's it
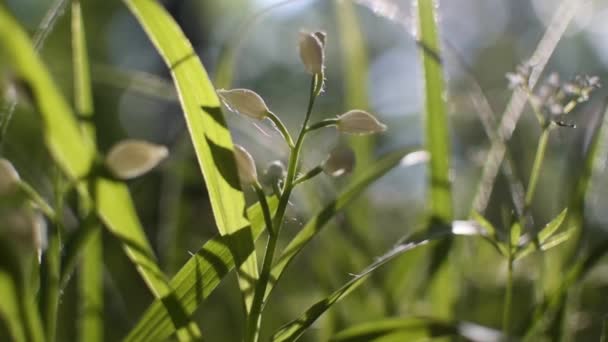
(341, 160)
(8, 177)
(312, 51)
(245, 102)
(132, 158)
(245, 165)
(25, 227)
(359, 122)
(274, 173)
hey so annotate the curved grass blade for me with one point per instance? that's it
(74, 153)
(294, 329)
(408, 329)
(195, 281)
(317, 222)
(208, 131)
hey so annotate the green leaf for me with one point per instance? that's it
(294, 329)
(409, 328)
(208, 131)
(552, 226)
(437, 135)
(317, 222)
(196, 280)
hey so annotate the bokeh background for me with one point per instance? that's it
(482, 40)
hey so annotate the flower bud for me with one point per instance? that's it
(312, 51)
(132, 158)
(245, 102)
(8, 177)
(245, 165)
(274, 173)
(25, 227)
(359, 122)
(341, 160)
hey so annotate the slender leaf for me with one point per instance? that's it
(293, 330)
(317, 222)
(436, 122)
(208, 131)
(409, 328)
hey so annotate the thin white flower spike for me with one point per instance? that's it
(312, 52)
(245, 165)
(245, 102)
(132, 158)
(359, 122)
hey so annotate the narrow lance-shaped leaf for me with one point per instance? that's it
(208, 131)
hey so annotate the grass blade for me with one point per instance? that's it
(196, 280)
(91, 269)
(408, 328)
(208, 131)
(436, 122)
(294, 329)
(317, 222)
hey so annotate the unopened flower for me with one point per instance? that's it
(245, 165)
(521, 77)
(8, 177)
(132, 158)
(274, 173)
(24, 226)
(359, 122)
(245, 102)
(312, 51)
(341, 160)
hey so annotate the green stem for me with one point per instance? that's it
(254, 320)
(538, 161)
(310, 174)
(281, 127)
(506, 316)
(321, 124)
(35, 197)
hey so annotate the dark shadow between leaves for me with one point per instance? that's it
(224, 161)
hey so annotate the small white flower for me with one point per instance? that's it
(132, 158)
(245, 102)
(245, 165)
(8, 177)
(312, 51)
(341, 160)
(359, 122)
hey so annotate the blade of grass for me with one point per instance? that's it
(208, 131)
(91, 269)
(293, 330)
(74, 153)
(409, 328)
(195, 281)
(436, 122)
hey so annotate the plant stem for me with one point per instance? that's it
(321, 124)
(538, 161)
(281, 127)
(254, 320)
(506, 316)
(310, 174)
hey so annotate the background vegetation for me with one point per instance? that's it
(111, 268)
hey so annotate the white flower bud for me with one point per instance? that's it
(341, 160)
(245, 102)
(25, 227)
(274, 173)
(245, 165)
(312, 51)
(359, 122)
(8, 177)
(132, 158)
